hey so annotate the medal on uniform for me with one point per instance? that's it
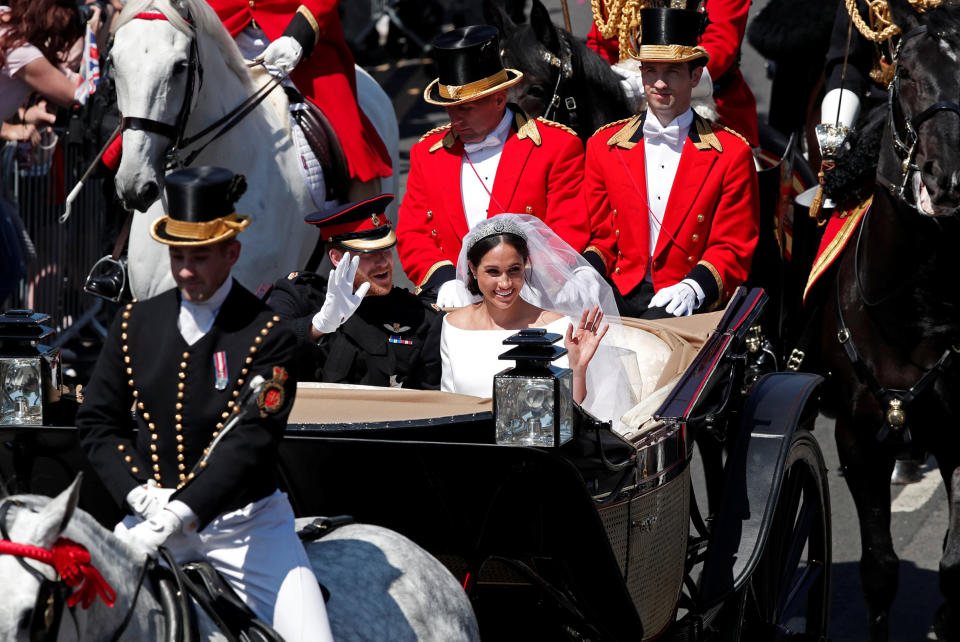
(398, 330)
(220, 369)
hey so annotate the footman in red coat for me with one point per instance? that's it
(677, 194)
(491, 158)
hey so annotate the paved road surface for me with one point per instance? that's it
(921, 510)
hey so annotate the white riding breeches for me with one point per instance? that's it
(257, 551)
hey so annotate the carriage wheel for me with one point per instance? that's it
(788, 596)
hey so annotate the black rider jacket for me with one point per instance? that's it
(393, 338)
(179, 405)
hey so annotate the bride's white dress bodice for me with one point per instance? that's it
(470, 357)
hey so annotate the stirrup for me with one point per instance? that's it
(107, 279)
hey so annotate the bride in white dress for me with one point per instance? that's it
(522, 275)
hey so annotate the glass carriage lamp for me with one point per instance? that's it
(533, 401)
(29, 372)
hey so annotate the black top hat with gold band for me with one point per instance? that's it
(670, 35)
(468, 60)
(200, 207)
(359, 227)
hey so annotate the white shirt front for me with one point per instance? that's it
(662, 147)
(485, 157)
(196, 319)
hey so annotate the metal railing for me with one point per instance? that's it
(37, 184)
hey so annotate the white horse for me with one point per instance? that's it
(382, 586)
(151, 60)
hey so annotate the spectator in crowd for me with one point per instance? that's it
(490, 159)
(36, 38)
(678, 194)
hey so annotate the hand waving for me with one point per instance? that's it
(581, 343)
(341, 301)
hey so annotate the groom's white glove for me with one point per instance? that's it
(150, 535)
(341, 301)
(283, 53)
(453, 294)
(147, 500)
(680, 300)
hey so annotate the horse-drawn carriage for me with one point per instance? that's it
(706, 518)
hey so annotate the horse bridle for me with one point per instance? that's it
(176, 132)
(905, 147)
(54, 594)
(564, 65)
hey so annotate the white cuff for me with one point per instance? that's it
(697, 290)
(840, 106)
(185, 513)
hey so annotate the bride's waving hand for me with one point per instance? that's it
(581, 344)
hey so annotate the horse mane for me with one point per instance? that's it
(101, 548)
(944, 22)
(206, 22)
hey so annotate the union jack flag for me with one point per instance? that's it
(90, 67)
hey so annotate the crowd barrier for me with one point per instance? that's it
(36, 179)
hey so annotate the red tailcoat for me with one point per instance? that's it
(327, 78)
(540, 173)
(711, 218)
(736, 105)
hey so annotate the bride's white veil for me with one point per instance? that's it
(557, 278)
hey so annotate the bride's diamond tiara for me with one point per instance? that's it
(502, 224)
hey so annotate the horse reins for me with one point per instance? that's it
(177, 131)
(72, 564)
(564, 65)
(906, 149)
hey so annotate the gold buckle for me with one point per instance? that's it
(795, 360)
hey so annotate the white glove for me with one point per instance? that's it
(704, 88)
(840, 106)
(341, 301)
(582, 289)
(150, 535)
(631, 82)
(680, 300)
(147, 500)
(453, 294)
(283, 53)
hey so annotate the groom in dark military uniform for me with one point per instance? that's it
(355, 326)
(180, 361)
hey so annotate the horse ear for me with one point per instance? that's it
(494, 14)
(903, 14)
(543, 27)
(54, 517)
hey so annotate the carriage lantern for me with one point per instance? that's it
(533, 401)
(29, 372)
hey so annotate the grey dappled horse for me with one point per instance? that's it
(382, 585)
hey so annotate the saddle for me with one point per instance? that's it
(177, 583)
(323, 142)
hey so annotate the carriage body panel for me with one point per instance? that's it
(549, 537)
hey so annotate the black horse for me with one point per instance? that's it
(563, 80)
(892, 314)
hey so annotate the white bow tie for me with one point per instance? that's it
(656, 133)
(489, 142)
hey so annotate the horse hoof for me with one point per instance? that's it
(906, 471)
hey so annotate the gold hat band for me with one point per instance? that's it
(207, 229)
(679, 53)
(370, 245)
(459, 92)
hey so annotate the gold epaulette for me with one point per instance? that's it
(433, 131)
(556, 124)
(616, 122)
(734, 132)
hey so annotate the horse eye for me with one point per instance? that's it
(536, 91)
(180, 66)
